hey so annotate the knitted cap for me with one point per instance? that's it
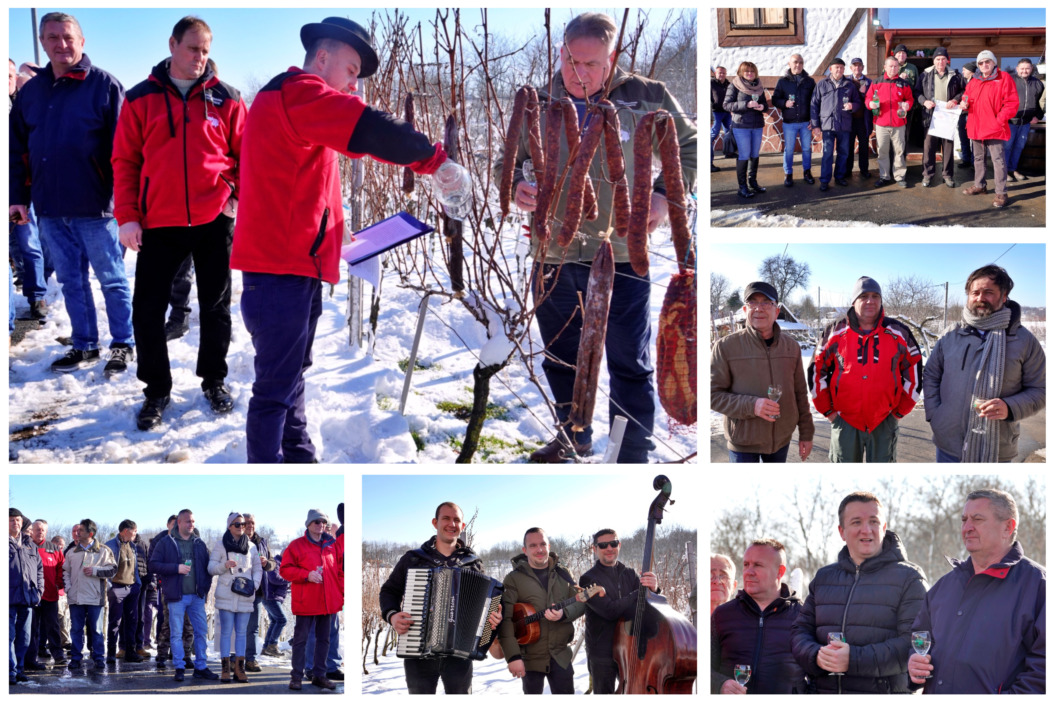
(970, 66)
(865, 284)
(900, 47)
(986, 54)
(941, 51)
(315, 515)
(232, 517)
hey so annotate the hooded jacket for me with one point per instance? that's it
(1029, 91)
(88, 590)
(290, 207)
(924, 91)
(165, 561)
(891, 92)
(25, 572)
(987, 629)
(873, 605)
(51, 558)
(300, 558)
(248, 565)
(426, 556)
(948, 382)
(742, 367)
(991, 103)
(176, 157)
(522, 586)
(800, 88)
(825, 107)
(274, 587)
(622, 585)
(866, 376)
(742, 633)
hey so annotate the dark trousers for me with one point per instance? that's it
(965, 141)
(930, 157)
(422, 675)
(122, 604)
(179, 308)
(280, 312)
(632, 391)
(160, 257)
(604, 675)
(45, 635)
(162, 636)
(861, 130)
(560, 679)
(252, 627)
(745, 457)
(321, 627)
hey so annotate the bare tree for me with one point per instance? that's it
(913, 296)
(807, 308)
(719, 288)
(785, 274)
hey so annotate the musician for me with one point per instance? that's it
(539, 579)
(604, 611)
(443, 549)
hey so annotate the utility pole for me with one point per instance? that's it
(945, 320)
(33, 35)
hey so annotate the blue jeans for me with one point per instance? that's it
(748, 140)
(228, 620)
(802, 132)
(33, 260)
(74, 244)
(721, 119)
(332, 660)
(195, 608)
(276, 621)
(943, 457)
(743, 457)
(10, 302)
(18, 634)
(1012, 148)
(831, 137)
(252, 626)
(92, 616)
(280, 312)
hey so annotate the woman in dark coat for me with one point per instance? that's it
(745, 99)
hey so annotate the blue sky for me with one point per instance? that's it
(836, 267)
(400, 508)
(148, 499)
(956, 17)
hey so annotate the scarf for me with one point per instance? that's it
(748, 87)
(983, 445)
(231, 544)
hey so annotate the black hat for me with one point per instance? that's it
(900, 47)
(837, 60)
(970, 66)
(941, 51)
(760, 288)
(346, 31)
(14, 512)
(342, 513)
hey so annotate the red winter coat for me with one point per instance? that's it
(303, 556)
(865, 377)
(52, 560)
(290, 214)
(990, 105)
(891, 91)
(176, 159)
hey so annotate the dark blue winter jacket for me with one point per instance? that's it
(25, 572)
(62, 134)
(165, 562)
(987, 629)
(276, 587)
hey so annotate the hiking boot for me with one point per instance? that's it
(252, 666)
(150, 413)
(974, 190)
(226, 672)
(808, 176)
(142, 652)
(204, 673)
(120, 355)
(336, 675)
(271, 651)
(74, 359)
(323, 683)
(1000, 201)
(175, 329)
(38, 310)
(219, 396)
(178, 675)
(295, 684)
(239, 672)
(788, 180)
(558, 451)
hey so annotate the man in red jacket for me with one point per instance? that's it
(45, 631)
(991, 101)
(313, 564)
(176, 154)
(289, 235)
(889, 99)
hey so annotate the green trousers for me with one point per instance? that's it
(852, 445)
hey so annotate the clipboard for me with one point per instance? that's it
(382, 236)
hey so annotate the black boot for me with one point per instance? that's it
(808, 176)
(740, 176)
(752, 177)
(788, 180)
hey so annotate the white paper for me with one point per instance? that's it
(369, 270)
(944, 123)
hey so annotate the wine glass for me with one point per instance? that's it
(835, 637)
(978, 422)
(528, 172)
(921, 644)
(742, 674)
(775, 391)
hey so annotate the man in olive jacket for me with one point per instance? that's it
(540, 580)
(743, 366)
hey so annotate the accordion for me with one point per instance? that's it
(450, 608)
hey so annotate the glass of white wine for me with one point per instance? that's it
(835, 637)
(775, 391)
(742, 674)
(921, 644)
(978, 422)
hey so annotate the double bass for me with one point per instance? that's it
(656, 650)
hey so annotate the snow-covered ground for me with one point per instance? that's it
(754, 218)
(352, 395)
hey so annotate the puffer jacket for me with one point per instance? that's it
(948, 381)
(1029, 91)
(742, 633)
(522, 586)
(800, 88)
(88, 590)
(825, 108)
(248, 565)
(426, 556)
(51, 559)
(873, 605)
(988, 629)
(741, 369)
(991, 103)
(743, 116)
(300, 558)
(891, 92)
(866, 377)
(924, 91)
(275, 587)
(25, 572)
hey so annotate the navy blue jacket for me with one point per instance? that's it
(987, 629)
(275, 586)
(62, 134)
(165, 562)
(25, 572)
(825, 107)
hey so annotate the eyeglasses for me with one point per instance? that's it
(764, 306)
(613, 544)
(238, 524)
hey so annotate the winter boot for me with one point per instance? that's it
(752, 177)
(740, 176)
(226, 671)
(240, 671)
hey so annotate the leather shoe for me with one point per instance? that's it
(557, 451)
(788, 180)
(295, 684)
(824, 186)
(1000, 201)
(323, 683)
(205, 673)
(150, 413)
(251, 665)
(178, 675)
(808, 176)
(219, 396)
(881, 182)
(974, 190)
(175, 329)
(336, 675)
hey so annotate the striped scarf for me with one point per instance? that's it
(985, 448)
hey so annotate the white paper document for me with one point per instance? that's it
(944, 123)
(383, 236)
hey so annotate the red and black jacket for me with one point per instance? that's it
(290, 210)
(176, 158)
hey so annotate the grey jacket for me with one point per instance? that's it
(948, 380)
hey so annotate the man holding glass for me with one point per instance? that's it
(889, 100)
(869, 597)
(750, 367)
(831, 115)
(985, 618)
(752, 632)
(989, 358)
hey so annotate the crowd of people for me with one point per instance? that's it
(997, 110)
(869, 623)
(154, 595)
(867, 372)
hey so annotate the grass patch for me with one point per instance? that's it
(493, 449)
(385, 402)
(417, 439)
(462, 410)
(420, 365)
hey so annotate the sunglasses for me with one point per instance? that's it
(613, 544)
(319, 522)
(238, 524)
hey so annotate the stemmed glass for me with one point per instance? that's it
(742, 674)
(835, 637)
(775, 391)
(978, 422)
(921, 644)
